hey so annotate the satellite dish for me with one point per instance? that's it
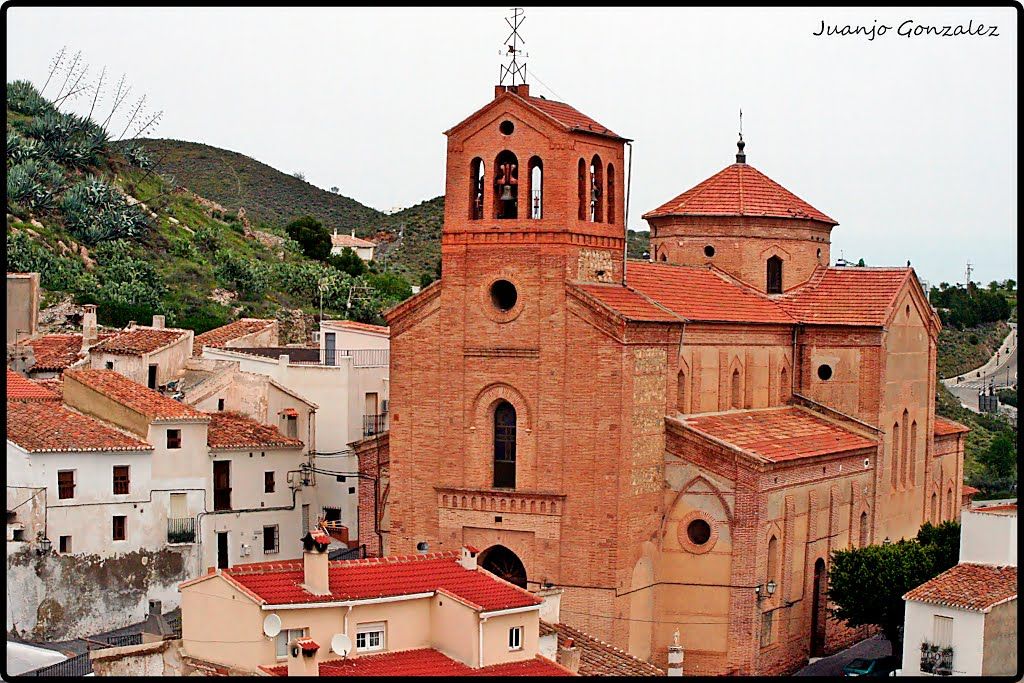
(341, 644)
(271, 625)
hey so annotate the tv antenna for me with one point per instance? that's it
(513, 69)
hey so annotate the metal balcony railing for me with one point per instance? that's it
(936, 659)
(374, 424)
(181, 530)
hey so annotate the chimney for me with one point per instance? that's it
(547, 645)
(467, 557)
(353, 232)
(282, 360)
(89, 333)
(156, 627)
(158, 322)
(549, 609)
(569, 656)
(675, 656)
(302, 659)
(315, 563)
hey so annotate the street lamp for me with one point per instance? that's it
(766, 591)
(44, 545)
(887, 541)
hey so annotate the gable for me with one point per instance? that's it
(507, 106)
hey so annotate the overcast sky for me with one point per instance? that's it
(909, 142)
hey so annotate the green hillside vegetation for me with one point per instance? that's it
(990, 453)
(98, 222)
(963, 350)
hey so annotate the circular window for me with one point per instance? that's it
(824, 372)
(709, 251)
(506, 127)
(698, 531)
(504, 295)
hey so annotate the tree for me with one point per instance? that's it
(867, 584)
(943, 541)
(335, 189)
(1000, 457)
(300, 175)
(860, 263)
(312, 236)
(390, 285)
(1010, 284)
(425, 280)
(348, 261)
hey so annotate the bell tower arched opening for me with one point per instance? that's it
(504, 564)
(506, 186)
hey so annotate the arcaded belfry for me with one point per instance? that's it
(679, 444)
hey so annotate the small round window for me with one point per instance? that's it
(709, 251)
(506, 127)
(824, 372)
(504, 295)
(698, 531)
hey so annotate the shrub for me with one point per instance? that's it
(136, 155)
(56, 273)
(312, 236)
(251, 278)
(348, 261)
(95, 212)
(390, 285)
(20, 148)
(209, 238)
(183, 248)
(125, 278)
(972, 339)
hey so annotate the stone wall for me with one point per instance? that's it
(61, 597)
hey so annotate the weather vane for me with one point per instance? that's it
(741, 157)
(512, 43)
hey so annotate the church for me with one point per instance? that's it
(678, 443)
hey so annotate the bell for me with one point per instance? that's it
(506, 193)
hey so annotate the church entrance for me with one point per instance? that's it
(504, 563)
(818, 609)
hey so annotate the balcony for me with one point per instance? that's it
(181, 530)
(936, 659)
(298, 355)
(375, 424)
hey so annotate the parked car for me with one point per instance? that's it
(879, 666)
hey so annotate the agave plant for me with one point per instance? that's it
(23, 98)
(137, 156)
(20, 148)
(34, 184)
(95, 212)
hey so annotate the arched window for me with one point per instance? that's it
(682, 403)
(736, 388)
(773, 560)
(935, 508)
(476, 189)
(895, 453)
(506, 186)
(949, 503)
(610, 194)
(783, 385)
(596, 190)
(504, 445)
(906, 446)
(774, 275)
(664, 257)
(536, 188)
(581, 190)
(913, 453)
(863, 541)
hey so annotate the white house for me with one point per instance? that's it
(150, 356)
(363, 248)
(964, 621)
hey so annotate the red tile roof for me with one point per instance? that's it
(569, 117)
(307, 645)
(140, 340)
(350, 241)
(627, 303)
(969, 490)
(426, 662)
(1010, 509)
(49, 427)
(58, 351)
(21, 389)
(702, 294)
(739, 190)
(221, 335)
(234, 430)
(120, 389)
(358, 326)
(944, 427)
(279, 582)
(975, 587)
(846, 296)
(778, 434)
(598, 658)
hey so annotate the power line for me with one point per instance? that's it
(548, 87)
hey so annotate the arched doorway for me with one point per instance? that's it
(503, 563)
(818, 609)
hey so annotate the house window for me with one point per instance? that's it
(766, 628)
(174, 438)
(504, 445)
(283, 638)
(270, 539)
(942, 631)
(774, 275)
(515, 638)
(65, 544)
(65, 484)
(110, 365)
(268, 482)
(220, 404)
(291, 426)
(120, 480)
(370, 637)
(120, 528)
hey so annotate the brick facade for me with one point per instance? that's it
(609, 477)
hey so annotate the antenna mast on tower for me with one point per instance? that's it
(968, 274)
(514, 69)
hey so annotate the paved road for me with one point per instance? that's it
(1000, 370)
(875, 646)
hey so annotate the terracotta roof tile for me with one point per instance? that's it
(219, 336)
(1010, 509)
(49, 427)
(778, 434)
(234, 430)
(357, 326)
(944, 427)
(598, 658)
(969, 490)
(846, 296)
(739, 190)
(120, 389)
(21, 389)
(702, 294)
(59, 351)
(350, 241)
(569, 117)
(279, 582)
(140, 340)
(426, 662)
(975, 587)
(627, 303)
